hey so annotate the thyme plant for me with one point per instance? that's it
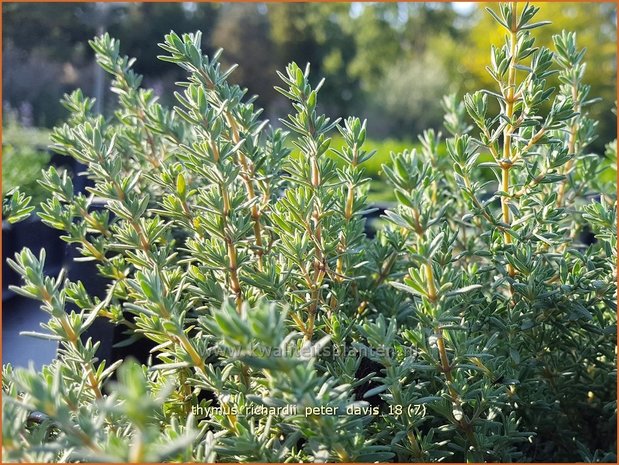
(16, 206)
(478, 324)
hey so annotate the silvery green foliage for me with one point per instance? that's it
(487, 324)
(16, 206)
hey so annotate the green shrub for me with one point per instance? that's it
(476, 326)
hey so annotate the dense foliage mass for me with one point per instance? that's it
(478, 324)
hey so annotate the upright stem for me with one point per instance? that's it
(235, 285)
(571, 147)
(506, 163)
(319, 274)
(141, 234)
(319, 271)
(385, 269)
(348, 211)
(75, 341)
(137, 448)
(153, 158)
(181, 339)
(246, 175)
(445, 365)
(446, 368)
(432, 294)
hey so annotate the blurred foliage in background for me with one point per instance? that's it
(24, 155)
(390, 62)
(595, 24)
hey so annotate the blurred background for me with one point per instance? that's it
(388, 62)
